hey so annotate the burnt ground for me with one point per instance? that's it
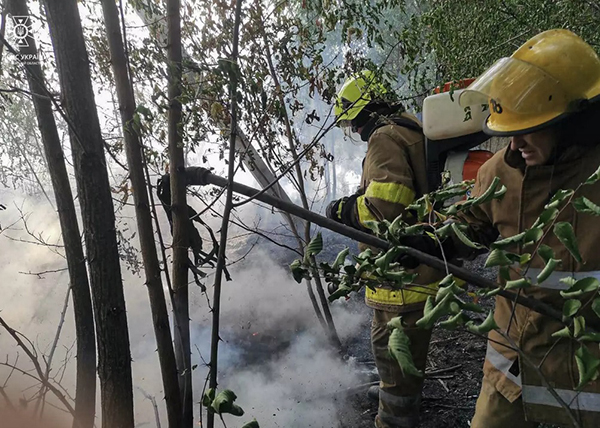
(448, 397)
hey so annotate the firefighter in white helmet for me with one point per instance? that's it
(545, 97)
(394, 174)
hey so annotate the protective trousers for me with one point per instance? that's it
(495, 411)
(399, 395)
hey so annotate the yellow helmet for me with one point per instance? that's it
(551, 76)
(356, 93)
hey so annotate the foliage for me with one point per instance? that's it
(466, 38)
(449, 307)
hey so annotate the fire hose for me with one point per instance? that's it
(198, 176)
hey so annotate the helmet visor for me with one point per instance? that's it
(519, 87)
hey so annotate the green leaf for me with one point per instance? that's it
(504, 273)
(584, 205)
(548, 269)
(517, 283)
(546, 217)
(512, 240)
(493, 292)
(298, 271)
(224, 403)
(563, 332)
(559, 198)
(486, 326)
(342, 291)
(587, 366)
(497, 258)
(315, 246)
(566, 235)
(340, 259)
(433, 313)
(570, 308)
(580, 287)
(524, 258)
(589, 337)
(399, 348)
(463, 238)
(384, 261)
(545, 252)
(395, 322)
(533, 235)
(578, 325)
(251, 424)
(594, 177)
(208, 398)
(596, 307)
(454, 321)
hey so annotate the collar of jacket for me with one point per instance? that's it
(379, 119)
(567, 155)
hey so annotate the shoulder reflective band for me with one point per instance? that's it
(585, 401)
(390, 192)
(553, 282)
(501, 363)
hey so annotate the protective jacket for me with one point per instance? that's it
(394, 174)
(529, 190)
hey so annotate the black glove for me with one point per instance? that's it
(335, 208)
(424, 244)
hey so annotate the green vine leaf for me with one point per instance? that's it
(584, 205)
(596, 307)
(546, 217)
(580, 287)
(497, 257)
(340, 259)
(224, 403)
(545, 252)
(563, 332)
(517, 284)
(594, 177)
(486, 326)
(578, 326)
(455, 321)
(251, 424)
(587, 366)
(208, 398)
(570, 308)
(533, 235)
(566, 235)
(464, 239)
(548, 269)
(399, 348)
(298, 271)
(314, 247)
(558, 198)
(507, 242)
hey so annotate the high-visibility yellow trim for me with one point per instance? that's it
(391, 192)
(364, 213)
(405, 296)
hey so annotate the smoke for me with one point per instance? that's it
(273, 353)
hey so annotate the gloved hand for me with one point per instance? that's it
(334, 209)
(424, 244)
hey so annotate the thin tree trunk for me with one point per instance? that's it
(180, 215)
(301, 189)
(133, 150)
(85, 390)
(114, 357)
(233, 84)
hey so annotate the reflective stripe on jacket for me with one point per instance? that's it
(528, 191)
(394, 174)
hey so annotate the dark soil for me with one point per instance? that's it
(449, 397)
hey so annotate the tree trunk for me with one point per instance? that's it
(85, 390)
(133, 150)
(114, 358)
(180, 215)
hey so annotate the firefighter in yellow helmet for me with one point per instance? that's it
(545, 97)
(394, 174)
